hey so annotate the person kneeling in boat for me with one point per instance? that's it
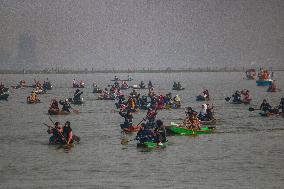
(176, 102)
(237, 97)
(56, 132)
(160, 132)
(203, 112)
(128, 118)
(246, 96)
(65, 105)
(145, 134)
(151, 116)
(67, 133)
(265, 106)
(54, 105)
(77, 95)
(206, 94)
(192, 122)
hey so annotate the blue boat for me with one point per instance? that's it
(264, 82)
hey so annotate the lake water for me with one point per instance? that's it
(245, 152)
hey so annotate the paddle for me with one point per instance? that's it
(253, 109)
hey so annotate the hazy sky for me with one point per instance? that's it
(141, 33)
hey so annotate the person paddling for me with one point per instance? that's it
(56, 132)
(160, 132)
(128, 119)
(54, 105)
(65, 105)
(151, 116)
(203, 112)
(77, 95)
(265, 106)
(67, 133)
(237, 97)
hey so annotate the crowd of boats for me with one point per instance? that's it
(151, 131)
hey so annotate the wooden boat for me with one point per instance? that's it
(57, 112)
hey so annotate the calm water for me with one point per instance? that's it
(246, 152)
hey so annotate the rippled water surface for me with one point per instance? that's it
(246, 151)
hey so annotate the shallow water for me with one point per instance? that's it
(245, 152)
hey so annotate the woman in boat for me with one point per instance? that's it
(203, 112)
(128, 119)
(246, 96)
(265, 106)
(77, 95)
(54, 105)
(145, 134)
(65, 105)
(196, 125)
(189, 112)
(209, 114)
(142, 85)
(160, 132)
(67, 133)
(56, 132)
(237, 97)
(176, 101)
(151, 116)
(206, 94)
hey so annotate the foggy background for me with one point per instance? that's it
(136, 34)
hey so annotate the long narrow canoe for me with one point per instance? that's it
(60, 112)
(184, 131)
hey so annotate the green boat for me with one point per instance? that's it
(152, 145)
(184, 131)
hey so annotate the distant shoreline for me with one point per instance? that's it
(57, 71)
